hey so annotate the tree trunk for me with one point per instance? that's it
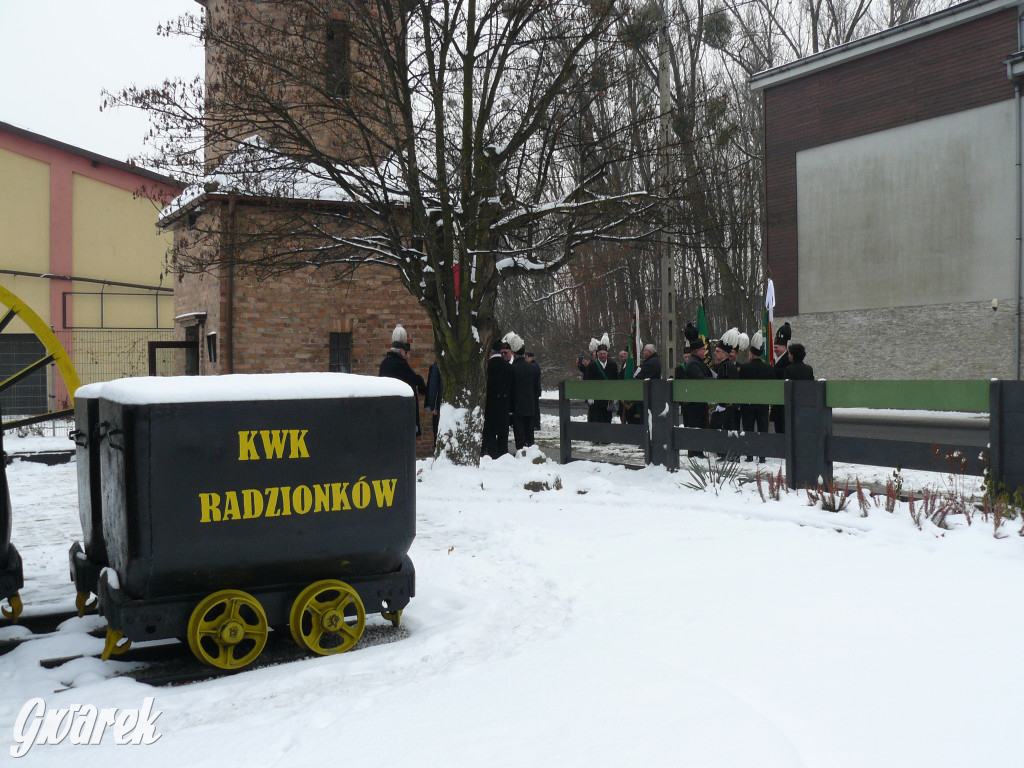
(464, 387)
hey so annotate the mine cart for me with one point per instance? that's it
(86, 562)
(11, 578)
(232, 504)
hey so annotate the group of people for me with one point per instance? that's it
(602, 368)
(789, 364)
(725, 352)
(513, 397)
(513, 390)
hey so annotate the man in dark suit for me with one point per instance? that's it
(432, 401)
(757, 369)
(533, 361)
(797, 368)
(526, 394)
(781, 348)
(500, 386)
(601, 369)
(695, 414)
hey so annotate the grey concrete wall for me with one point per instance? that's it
(938, 341)
(915, 215)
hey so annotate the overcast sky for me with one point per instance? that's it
(56, 56)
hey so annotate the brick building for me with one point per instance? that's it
(306, 319)
(893, 198)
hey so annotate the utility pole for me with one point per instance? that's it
(668, 297)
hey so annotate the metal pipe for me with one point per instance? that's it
(1020, 250)
(1020, 202)
(228, 324)
(114, 283)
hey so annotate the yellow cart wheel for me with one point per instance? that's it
(228, 629)
(327, 617)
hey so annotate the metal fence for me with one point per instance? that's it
(97, 355)
(102, 355)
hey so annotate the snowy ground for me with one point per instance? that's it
(618, 618)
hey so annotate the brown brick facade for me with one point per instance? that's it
(953, 70)
(284, 324)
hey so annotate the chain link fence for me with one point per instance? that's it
(97, 355)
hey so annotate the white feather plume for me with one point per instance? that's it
(399, 335)
(731, 337)
(516, 342)
(743, 342)
(593, 345)
(605, 340)
(757, 342)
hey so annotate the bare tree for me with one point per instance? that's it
(448, 134)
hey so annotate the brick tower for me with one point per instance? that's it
(304, 318)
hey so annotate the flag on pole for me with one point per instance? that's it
(702, 325)
(769, 320)
(634, 343)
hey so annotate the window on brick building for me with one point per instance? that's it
(338, 58)
(340, 359)
(211, 347)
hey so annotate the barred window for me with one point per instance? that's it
(340, 358)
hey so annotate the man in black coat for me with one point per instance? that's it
(498, 403)
(601, 369)
(526, 393)
(533, 361)
(695, 414)
(722, 417)
(650, 368)
(781, 349)
(797, 368)
(395, 365)
(432, 401)
(757, 369)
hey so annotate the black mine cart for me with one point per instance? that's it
(87, 562)
(11, 577)
(234, 504)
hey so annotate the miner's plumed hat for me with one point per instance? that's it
(514, 341)
(730, 340)
(757, 344)
(783, 335)
(400, 339)
(692, 337)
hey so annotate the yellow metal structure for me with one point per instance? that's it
(112, 645)
(228, 629)
(16, 608)
(327, 617)
(44, 334)
(83, 604)
(394, 617)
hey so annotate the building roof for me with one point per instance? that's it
(889, 38)
(90, 156)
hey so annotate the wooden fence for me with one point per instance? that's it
(808, 444)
